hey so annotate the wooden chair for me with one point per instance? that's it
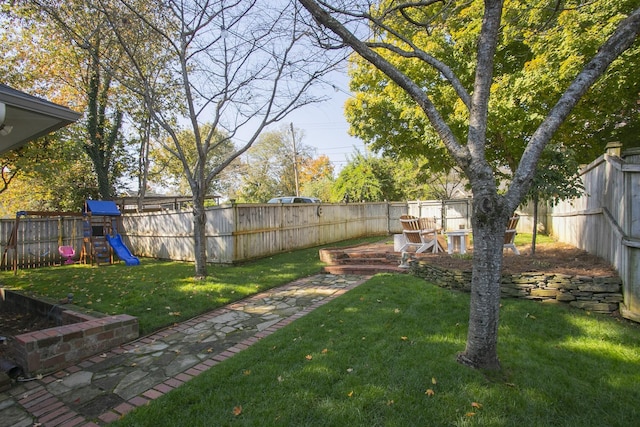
(421, 233)
(510, 234)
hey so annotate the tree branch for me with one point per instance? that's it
(622, 39)
(443, 68)
(323, 17)
(487, 44)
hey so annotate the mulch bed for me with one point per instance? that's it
(14, 323)
(549, 258)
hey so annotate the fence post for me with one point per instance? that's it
(388, 217)
(234, 232)
(630, 308)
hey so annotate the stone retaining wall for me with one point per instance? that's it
(596, 294)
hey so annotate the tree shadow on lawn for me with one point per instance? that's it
(570, 366)
(384, 354)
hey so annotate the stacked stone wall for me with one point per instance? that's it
(595, 294)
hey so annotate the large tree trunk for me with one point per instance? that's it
(105, 189)
(199, 235)
(482, 337)
(489, 224)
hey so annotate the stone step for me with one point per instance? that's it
(364, 270)
(362, 261)
(360, 255)
(331, 256)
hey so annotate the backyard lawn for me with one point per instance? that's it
(384, 355)
(160, 293)
(381, 355)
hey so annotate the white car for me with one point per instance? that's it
(294, 199)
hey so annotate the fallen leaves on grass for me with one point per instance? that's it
(476, 406)
(430, 392)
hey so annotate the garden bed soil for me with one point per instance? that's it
(15, 323)
(557, 258)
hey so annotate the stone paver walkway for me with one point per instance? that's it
(101, 389)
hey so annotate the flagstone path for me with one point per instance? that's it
(102, 389)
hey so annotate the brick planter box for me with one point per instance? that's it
(79, 336)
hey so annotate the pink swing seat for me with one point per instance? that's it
(67, 252)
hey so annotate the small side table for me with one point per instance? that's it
(457, 239)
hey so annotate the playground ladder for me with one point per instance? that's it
(95, 246)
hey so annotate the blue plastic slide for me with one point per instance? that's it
(121, 250)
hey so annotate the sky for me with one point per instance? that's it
(323, 124)
(325, 127)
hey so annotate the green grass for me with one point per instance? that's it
(368, 358)
(525, 239)
(160, 293)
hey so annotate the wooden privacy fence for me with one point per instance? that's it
(605, 221)
(37, 240)
(246, 231)
(234, 233)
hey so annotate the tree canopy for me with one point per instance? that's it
(53, 174)
(530, 74)
(316, 177)
(167, 171)
(57, 51)
(365, 179)
(270, 167)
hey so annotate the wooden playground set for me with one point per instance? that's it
(49, 238)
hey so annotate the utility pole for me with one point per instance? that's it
(295, 161)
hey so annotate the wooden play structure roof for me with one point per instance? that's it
(102, 207)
